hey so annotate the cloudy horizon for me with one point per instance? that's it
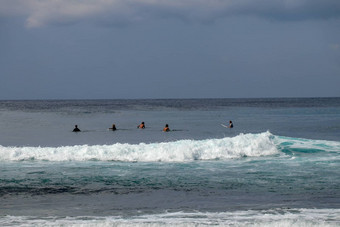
(69, 49)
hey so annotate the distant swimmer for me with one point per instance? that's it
(113, 127)
(142, 125)
(231, 124)
(76, 129)
(166, 128)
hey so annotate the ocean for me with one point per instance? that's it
(278, 166)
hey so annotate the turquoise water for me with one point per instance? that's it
(278, 166)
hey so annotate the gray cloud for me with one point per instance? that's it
(41, 13)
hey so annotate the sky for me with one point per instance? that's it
(136, 49)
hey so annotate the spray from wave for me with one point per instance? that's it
(243, 145)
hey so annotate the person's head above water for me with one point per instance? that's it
(76, 129)
(141, 125)
(166, 128)
(113, 127)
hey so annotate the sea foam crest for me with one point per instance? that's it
(243, 145)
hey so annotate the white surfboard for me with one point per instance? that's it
(225, 126)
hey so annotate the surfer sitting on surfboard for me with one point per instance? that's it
(166, 128)
(113, 127)
(231, 124)
(142, 125)
(76, 129)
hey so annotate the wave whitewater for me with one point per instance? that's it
(274, 217)
(243, 145)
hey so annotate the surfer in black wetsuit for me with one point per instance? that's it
(76, 129)
(231, 124)
(113, 127)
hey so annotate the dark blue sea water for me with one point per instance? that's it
(278, 166)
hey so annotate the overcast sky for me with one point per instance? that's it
(94, 49)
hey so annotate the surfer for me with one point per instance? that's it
(231, 124)
(142, 125)
(113, 127)
(166, 128)
(76, 129)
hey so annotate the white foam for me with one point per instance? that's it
(274, 217)
(243, 145)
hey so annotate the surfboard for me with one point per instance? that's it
(225, 126)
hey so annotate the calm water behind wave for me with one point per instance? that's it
(49, 123)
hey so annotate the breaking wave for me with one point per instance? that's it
(275, 217)
(243, 145)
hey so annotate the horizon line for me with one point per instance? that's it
(97, 99)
